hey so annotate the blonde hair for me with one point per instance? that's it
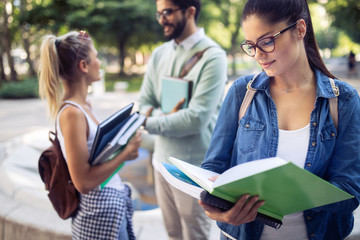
(59, 57)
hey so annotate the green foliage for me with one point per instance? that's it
(327, 38)
(126, 24)
(111, 22)
(344, 46)
(134, 81)
(135, 84)
(129, 25)
(346, 16)
(221, 20)
(48, 14)
(27, 88)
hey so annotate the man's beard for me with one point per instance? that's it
(178, 29)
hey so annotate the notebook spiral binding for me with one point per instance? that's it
(272, 222)
(226, 205)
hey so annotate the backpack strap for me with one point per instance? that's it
(56, 119)
(249, 95)
(62, 105)
(333, 103)
(53, 134)
(192, 61)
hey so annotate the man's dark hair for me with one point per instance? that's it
(184, 4)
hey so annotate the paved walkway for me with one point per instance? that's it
(25, 211)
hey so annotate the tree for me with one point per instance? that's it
(327, 38)
(226, 13)
(25, 36)
(47, 15)
(2, 67)
(122, 24)
(346, 16)
(6, 37)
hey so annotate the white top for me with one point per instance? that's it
(293, 146)
(115, 181)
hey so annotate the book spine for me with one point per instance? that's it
(272, 222)
(104, 155)
(190, 91)
(226, 205)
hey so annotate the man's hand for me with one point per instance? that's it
(133, 146)
(177, 107)
(148, 114)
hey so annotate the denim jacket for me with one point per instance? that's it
(333, 154)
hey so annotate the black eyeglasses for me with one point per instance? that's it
(166, 13)
(266, 45)
(82, 34)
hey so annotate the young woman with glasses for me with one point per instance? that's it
(68, 65)
(289, 117)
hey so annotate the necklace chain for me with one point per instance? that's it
(289, 90)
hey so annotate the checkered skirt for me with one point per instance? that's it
(101, 213)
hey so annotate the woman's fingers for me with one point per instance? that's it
(244, 211)
(247, 211)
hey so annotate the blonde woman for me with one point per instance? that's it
(68, 65)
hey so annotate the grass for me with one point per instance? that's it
(134, 81)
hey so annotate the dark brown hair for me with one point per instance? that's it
(184, 4)
(275, 11)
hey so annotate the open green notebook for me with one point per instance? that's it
(285, 187)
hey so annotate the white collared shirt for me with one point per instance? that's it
(190, 41)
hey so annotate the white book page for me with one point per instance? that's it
(199, 175)
(248, 169)
(131, 130)
(187, 188)
(124, 128)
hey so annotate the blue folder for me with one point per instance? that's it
(173, 90)
(107, 130)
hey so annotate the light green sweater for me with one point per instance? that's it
(185, 134)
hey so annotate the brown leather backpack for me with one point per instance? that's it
(54, 173)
